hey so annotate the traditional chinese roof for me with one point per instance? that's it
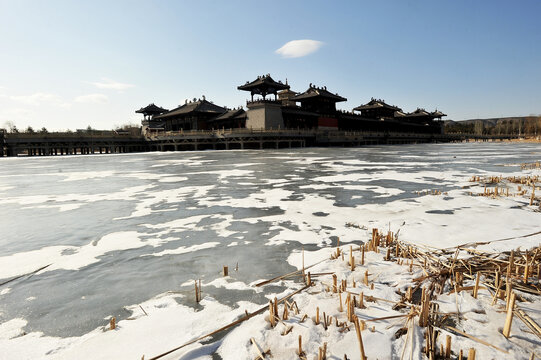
(151, 109)
(196, 106)
(286, 94)
(438, 114)
(376, 104)
(419, 113)
(318, 92)
(263, 85)
(231, 114)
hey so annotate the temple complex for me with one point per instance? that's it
(377, 109)
(313, 109)
(197, 114)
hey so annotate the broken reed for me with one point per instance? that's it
(502, 189)
(498, 273)
(197, 291)
(530, 166)
(487, 271)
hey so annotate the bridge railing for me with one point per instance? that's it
(315, 132)
(70, 135)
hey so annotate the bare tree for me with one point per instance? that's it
(11, 127)
(478, 128)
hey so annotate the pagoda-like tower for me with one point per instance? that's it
(264, 113)
(150, 111)
(263, 85)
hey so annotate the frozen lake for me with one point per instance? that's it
(118, 230)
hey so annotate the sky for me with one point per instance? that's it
(71, 64)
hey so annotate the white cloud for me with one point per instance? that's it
(299, 48)
(111, 84)
(92, 99)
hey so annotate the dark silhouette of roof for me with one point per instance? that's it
(423, 113)
(418, 113)
(151, 109)
(437, 114)
(263, 85)
(196, 106)
(231, 114)
(318, 92)
(376, 104)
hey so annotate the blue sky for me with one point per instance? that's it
(70, 64)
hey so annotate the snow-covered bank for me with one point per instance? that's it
(139, 230)
(172, 319)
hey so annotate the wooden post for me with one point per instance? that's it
(271, 314)
(362, 255)
(359, 338)
(348, 307)
(309, 279)
(341, 309)
(361, 300)
(526, 267)
(509, 318)
(317, 315)
(448, 347)
(112, 323)
(508, 292)
(226, 270)
(300, 346)
(285, 314)
(476, 287)
(471, 354)
(409, 294)
(366, 277)
(334, 285)
(197, 291)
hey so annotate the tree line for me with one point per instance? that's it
(129, 128)
(528, 126)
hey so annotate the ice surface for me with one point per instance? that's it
(174, 218)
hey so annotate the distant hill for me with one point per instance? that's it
(518, 125)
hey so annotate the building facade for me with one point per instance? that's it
(314, 108)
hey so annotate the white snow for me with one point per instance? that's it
(459, 219)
